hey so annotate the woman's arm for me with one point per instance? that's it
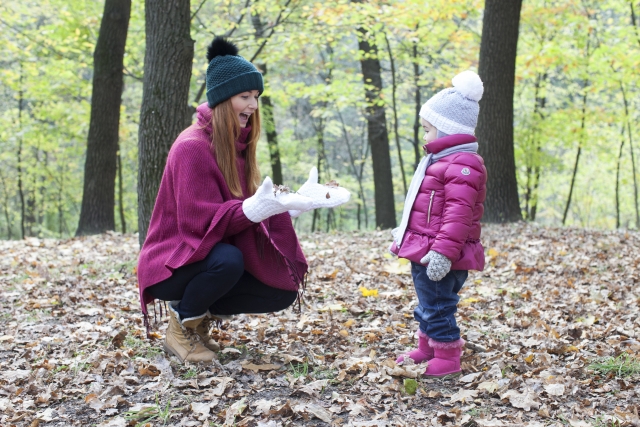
(205, 210)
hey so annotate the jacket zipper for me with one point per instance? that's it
(433, 192)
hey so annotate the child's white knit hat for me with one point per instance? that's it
(455, 110)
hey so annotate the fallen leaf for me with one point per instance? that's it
(313, 409)
(489, 386)
(331, 307)
(554, 389)
(114, 422)
(265, 367)
(235, 410)
(521, 400)
(410, 386)
(263, 406)
(223, 382)
(149, 370)
(313, 388)
(368, 292)
(202, 409)
(470, 377)
(46, 415)
(463, 395)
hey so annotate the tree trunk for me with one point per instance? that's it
(121, 193)
(321, 164)
(633, 160)
(269, 123)
(534, 201)
(578, 153)
(98, 196)
(267, 113)
(533, 168)
(357, 174)
(394, 87)
(7, 217)
(618, 177)
(497, 68)
(418, 104)
(633, 21)
(165, 96)
(377, 133)
(19, 159)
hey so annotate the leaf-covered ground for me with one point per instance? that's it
(552, 328)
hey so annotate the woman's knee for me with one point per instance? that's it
(227, 259)
(286, 299)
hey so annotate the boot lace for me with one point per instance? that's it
(206, 325)
(193, 337)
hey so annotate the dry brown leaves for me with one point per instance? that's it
(551, 301)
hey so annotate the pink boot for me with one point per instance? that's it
(422, 353)
(446, 360)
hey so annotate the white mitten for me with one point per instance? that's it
(439, 265)
(324, 196)
(265, 203)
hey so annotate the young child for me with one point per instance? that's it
(440, 228)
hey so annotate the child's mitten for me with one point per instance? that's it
(324, 196)
(439, 265)
(266, 202)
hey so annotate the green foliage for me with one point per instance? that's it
(567, 50)
(299, 369)
(566, 53)
(142, 348)
(191, 373)
(161, 414)
(410, 386)
(46, 75)
(622, 366)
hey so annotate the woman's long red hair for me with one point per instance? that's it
(226, 130)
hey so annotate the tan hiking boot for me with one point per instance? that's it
(204, 331)
(182, 340)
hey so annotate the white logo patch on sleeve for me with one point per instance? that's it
(465, 171)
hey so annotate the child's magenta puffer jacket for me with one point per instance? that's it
(446, 214)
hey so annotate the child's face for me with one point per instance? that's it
(430, 132)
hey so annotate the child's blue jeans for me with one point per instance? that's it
(437, 302)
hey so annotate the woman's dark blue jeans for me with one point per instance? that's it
(220, 284)
(437, 303)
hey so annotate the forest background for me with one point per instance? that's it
(575, 101)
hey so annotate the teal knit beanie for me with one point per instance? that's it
(228, 73)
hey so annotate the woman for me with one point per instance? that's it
(211, 250)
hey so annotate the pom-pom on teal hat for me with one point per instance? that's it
(228, 73)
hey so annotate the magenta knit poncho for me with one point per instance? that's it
(194, 210)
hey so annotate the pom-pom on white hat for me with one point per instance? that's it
(455, 109)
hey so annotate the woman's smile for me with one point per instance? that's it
(245, 104)
(244, 118)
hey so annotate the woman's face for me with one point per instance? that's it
(430, 132)
(245, 104)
